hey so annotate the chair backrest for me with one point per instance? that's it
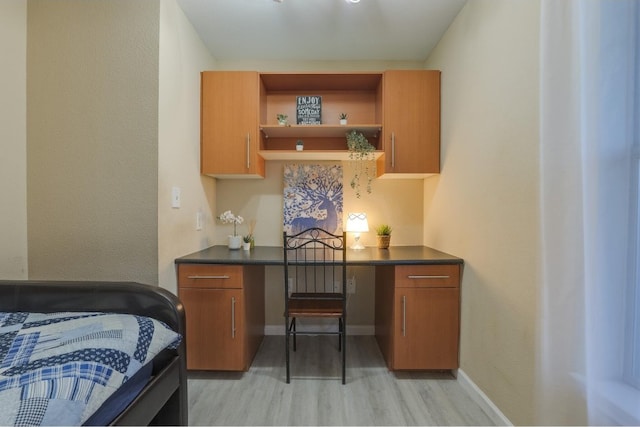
(315, 263)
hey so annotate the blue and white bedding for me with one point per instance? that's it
(59, 368)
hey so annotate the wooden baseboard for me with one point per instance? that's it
(482, 400)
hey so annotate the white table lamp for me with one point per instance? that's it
(356, 224)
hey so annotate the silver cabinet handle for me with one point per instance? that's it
(208, 277)
(404, 315)
(393, 150)
(248, 148)
(233, 317)
(412, 276)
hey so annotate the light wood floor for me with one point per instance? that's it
(372, 395)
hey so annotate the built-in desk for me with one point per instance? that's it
(417, 304)
(273, 255)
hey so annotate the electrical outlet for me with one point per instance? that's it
(199, 220)
(351, 285)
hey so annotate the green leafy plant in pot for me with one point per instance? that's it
(383, 232)
(361, 156)
(282, 119)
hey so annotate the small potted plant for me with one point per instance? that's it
(343, 118)
(361, 155)
(252, 226)
(299, 145)
(227, 217)
(383, 232)
(246, 242)
(282, 119)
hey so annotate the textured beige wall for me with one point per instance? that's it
(92, 120)
(182, 57)
(13, 139)
(394, 201)
(484, 205)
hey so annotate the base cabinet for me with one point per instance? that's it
(418, 316)
(224, 306)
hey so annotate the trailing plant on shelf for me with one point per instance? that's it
(361, 156)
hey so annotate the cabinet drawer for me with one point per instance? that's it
(427, 276)
(210, 276)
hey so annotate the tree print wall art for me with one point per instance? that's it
(312, 197)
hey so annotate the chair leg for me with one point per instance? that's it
(293, 325)
(344, 351)
(286, 345)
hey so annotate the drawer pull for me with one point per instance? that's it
(208, 277)
(404, 315)
(412, 276)
(393, 150)
(248, 150)
(233, 317)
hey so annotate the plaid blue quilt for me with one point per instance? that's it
(58, 369)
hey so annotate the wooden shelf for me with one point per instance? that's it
(313, 81)
(314, 155)
(319, 131)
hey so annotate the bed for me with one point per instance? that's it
(153, 378)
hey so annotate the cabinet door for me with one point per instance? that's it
(215, 328)
(229, 123)
(426, 328)
(411, 130)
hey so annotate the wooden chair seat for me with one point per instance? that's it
(311, 307)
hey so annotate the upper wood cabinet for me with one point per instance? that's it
(398, 111)
(229, 124)
(411, 128)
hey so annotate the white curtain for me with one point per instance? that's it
(588, 115)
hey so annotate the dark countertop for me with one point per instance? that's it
(273, 255)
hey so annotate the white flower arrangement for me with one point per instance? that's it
(229, 218)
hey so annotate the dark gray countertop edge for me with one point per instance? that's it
(272, 255)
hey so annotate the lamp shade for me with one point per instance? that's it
(357, 223)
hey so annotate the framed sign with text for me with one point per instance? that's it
(309, 110)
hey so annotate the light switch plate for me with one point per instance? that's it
(175, 197)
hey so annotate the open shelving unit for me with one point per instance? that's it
(357, 94)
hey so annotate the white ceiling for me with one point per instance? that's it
(388, 30)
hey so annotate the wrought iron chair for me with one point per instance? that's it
(315, 280)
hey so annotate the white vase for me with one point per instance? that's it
(246, 246)
(343, 122)
(235, 242)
